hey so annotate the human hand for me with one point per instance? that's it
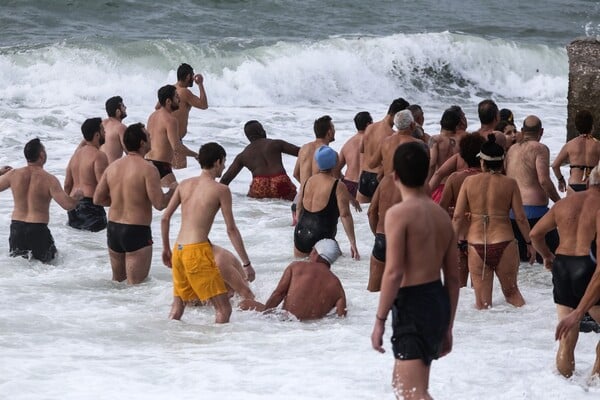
(447, 343)
(250, 273)
(377, 335)
(548, 263)
(5, 169)
(354, 252)
(531, 253)
(166, 257)
(567, 324)
(355, 204)
(199, 79)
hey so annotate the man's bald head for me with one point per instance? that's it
(532, 125)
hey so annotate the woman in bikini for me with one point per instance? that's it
(482, 209)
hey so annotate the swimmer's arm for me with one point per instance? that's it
(288, 148)
(281, 290)
(158, 199)
(542, 166)
(175, 141)
(102, 193)
(232, 231)
(346, 216)
(373, 212)
(68, 179)
(433, 156)
(341, 161)
(165, 223)
(233, 170)
(447, 193)
(521, 220)
(451, 277)
(200, 101)
(100, 165)
(5, 169)
(448, 167)
(460, 209)
(5, 180)
(538, 234)
(61, 197)
(561, 159)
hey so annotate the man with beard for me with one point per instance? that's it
(114, 128)
(164, 137)
(185, 80)
(84, 172)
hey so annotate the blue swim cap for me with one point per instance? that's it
(326, 158)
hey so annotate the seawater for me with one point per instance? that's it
(68, 332)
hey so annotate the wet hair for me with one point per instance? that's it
(133, 136)
(254, 130)
(322, 126)
(469, 147)
(411, 164)
(165, 93)
(450, 120)
(403, 119)
(33, 149)
(89, 128)
(501, 126)
(209, 154)
(416, 111)
(112, 105)
(487, 111)
(397, 105)
(492, 149)
(507, 115)
(362, 120)
(183, 71)
(584, 122)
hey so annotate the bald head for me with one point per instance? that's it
(532, 125)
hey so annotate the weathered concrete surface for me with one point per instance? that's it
(584, 82)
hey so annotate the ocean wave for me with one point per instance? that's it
(442, 66)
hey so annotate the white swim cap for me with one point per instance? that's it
(328, 249)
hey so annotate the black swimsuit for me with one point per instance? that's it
(314, 226)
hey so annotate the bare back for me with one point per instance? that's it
(583, 152)
(405, 240)
(386, 195)
(133, 185)
(85, 169)
(162, 127)
(488, 198)
(316, 192)
(113, 134)
(372, 140)
(574, 217)
(351, 156)
(389, 146)
(263, 156)
(313, 290)
(306, 165)
(183, 113)
(442, 147)
(528, 163)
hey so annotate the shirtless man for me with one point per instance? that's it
(489, 116)
(528, 162)
(424, 307)
(195, 273)
(83, 172)
(308, 289)
(405, 125)
(444, 146)
(164, 136)
(5, 169)
(131, 187)
(322, 201)
(419, 133)
(114, 128)
(263, 158)
(350, 155)
(32, 189)
(386, 195)
(372, 139)
(571, 265)
(185, 80)
(582, 153)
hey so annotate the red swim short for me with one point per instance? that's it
(272, 187)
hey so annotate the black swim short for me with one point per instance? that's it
(124, 238)
(570, 277)
(31, 240)
(421, 315)
(164, 168)
(87, 216)
(379, 247)
(368, 183)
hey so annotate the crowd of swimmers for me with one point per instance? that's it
(446, 210)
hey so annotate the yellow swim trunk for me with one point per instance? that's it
(195, 272)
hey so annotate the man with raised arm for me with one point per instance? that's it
(185, 80)
(131, 187)
(195, 273)
(423, 307)
(32, 189)
(263, 158)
